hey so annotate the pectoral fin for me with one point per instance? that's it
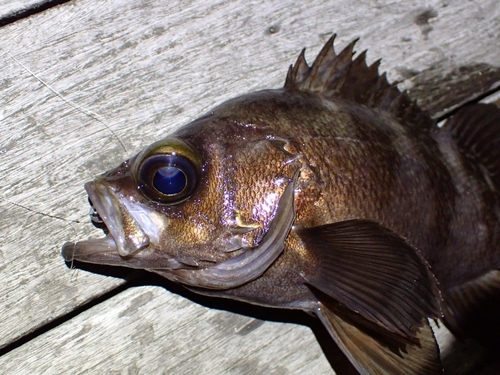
(374, 353)
(374, 272)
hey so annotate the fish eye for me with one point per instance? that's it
(168, 171)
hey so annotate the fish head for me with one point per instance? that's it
(201, 206)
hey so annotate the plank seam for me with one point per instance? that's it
(64, 318)
(476, 99)
(27, 12)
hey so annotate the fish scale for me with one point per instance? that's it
(335, 194)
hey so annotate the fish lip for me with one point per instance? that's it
(107, 207)
(129, 235)
(86, 249)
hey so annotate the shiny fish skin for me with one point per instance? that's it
(335, 194)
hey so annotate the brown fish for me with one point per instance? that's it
(336, 195)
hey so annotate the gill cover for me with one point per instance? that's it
(251, 263)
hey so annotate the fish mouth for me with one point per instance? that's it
(124, 234)
(125, 238)
(96, 219)
(103, 215)
(106, 214)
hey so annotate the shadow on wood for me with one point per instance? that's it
(454, 359)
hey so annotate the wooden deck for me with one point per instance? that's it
(86, 84)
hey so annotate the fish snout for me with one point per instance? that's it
(110, 214)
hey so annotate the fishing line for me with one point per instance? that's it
(38, 212)
(73, 277)
(34, 212)
(74, 105)
(81, 109)
(87, 112)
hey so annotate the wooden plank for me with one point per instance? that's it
(235, 344)
(12, 10)
(9, 7)
(118, 75)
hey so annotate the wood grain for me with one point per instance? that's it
(11, 7)
(162, 338)
(89, 83)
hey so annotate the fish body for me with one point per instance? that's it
(336, 195)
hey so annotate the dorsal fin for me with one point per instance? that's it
(340, 76)
(476, 130)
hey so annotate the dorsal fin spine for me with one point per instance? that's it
(326, 52)
(340, 76)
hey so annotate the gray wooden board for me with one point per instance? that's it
(12, 7)
(162, 338)
(87, 84)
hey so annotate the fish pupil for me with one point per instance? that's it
(170, 180)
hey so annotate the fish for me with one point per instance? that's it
(335, 194)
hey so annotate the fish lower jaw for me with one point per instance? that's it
(82, 250)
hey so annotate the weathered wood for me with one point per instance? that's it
(15, 10)
(10, 7)
(162, 338)
(87, 84)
